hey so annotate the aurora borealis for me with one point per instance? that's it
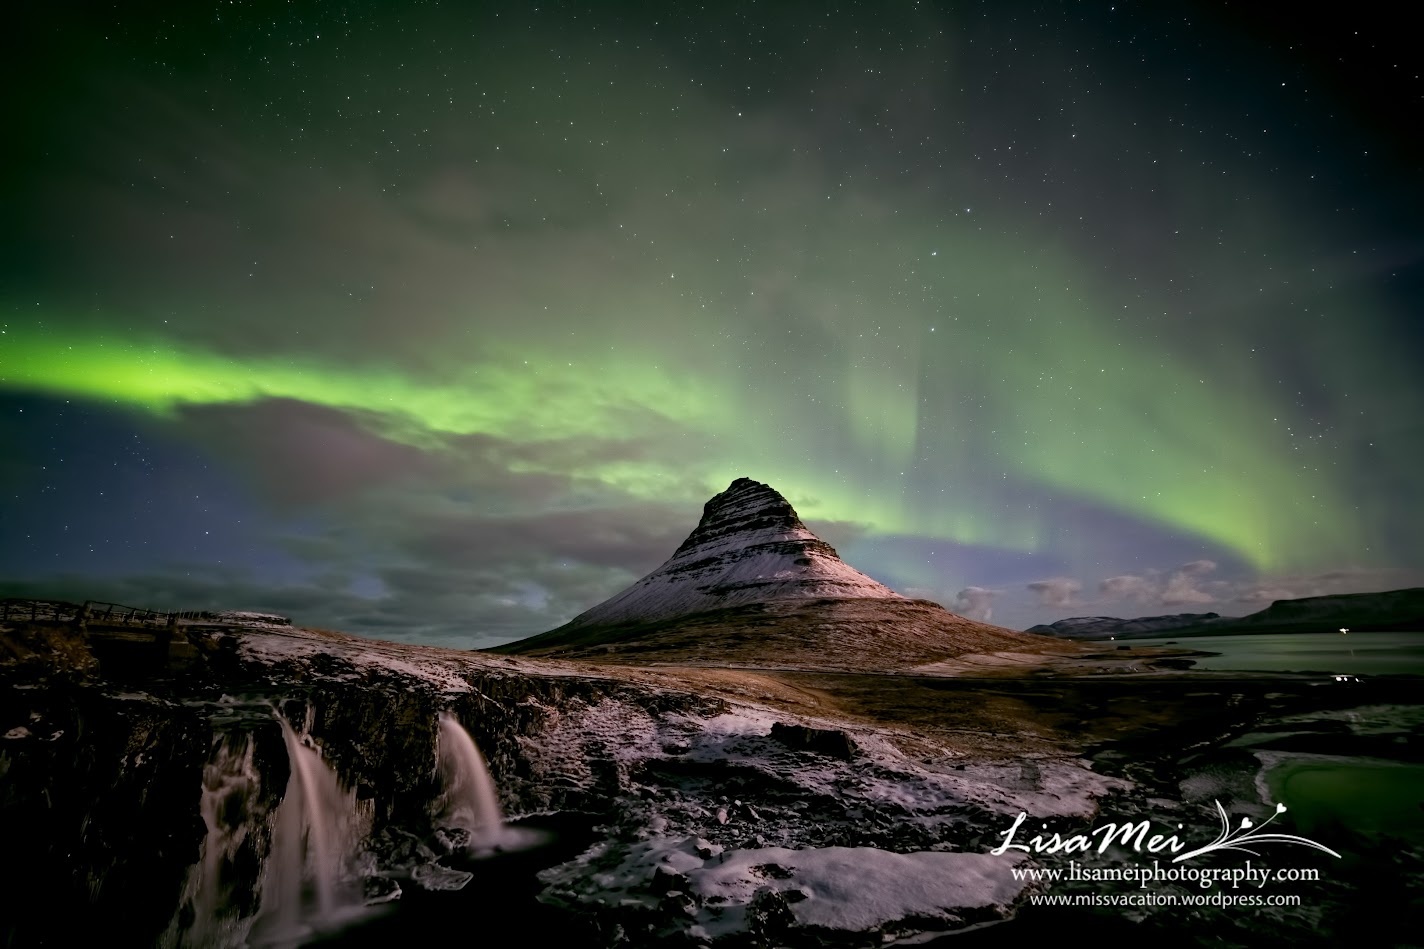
(441, 322)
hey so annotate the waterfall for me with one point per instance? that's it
(281, 868)
(470, 801)
(308, 885)
(216, 905)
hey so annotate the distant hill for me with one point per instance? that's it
(1104, 627)
(1359, 612)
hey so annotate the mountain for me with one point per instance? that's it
(753, 585)
(1362, 612)
(1105, 627)
(749, 547)
(1358, 612)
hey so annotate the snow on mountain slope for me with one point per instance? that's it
(749, 547)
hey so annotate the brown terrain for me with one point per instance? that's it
(881, 635)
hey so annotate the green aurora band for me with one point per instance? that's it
(1175, 470)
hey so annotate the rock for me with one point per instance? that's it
(432, 876)
(380, 890)
(450, 839)
(769, 915)
(667, 880)
(825, 741)
(402, 848)
(678, 903)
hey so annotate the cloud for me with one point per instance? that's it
(1127, 587)
(1180, 591)
(975, 603)
(297, 453)
(635, 538)
(1182, 585)
(1058, 591)
(1264, 595)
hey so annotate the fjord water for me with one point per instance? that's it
(1365, 653)
(1332, 790)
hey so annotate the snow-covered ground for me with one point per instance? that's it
(718, 823)
(723, 828)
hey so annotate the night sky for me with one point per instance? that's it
(440, 322)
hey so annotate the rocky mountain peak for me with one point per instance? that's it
(749, 548)
(748, 508)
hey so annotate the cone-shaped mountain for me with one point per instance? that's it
(752, 566)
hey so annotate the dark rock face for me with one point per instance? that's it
(746, 507)
(98, 805)
(825, 741)
(100, 785)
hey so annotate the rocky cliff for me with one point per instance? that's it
(234, 786)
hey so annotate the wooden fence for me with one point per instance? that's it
(16, 609)
(54, 610)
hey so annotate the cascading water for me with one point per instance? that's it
(470, 801)
(279, 870)
(308, 884)
(216, 905)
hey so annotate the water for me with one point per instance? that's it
(1372, 797)
(1333, 787)
(288, 869)
(501, 897)
(1352, 654)
(308, 885)
(470, 801)
(230, 807)
(270, 875)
